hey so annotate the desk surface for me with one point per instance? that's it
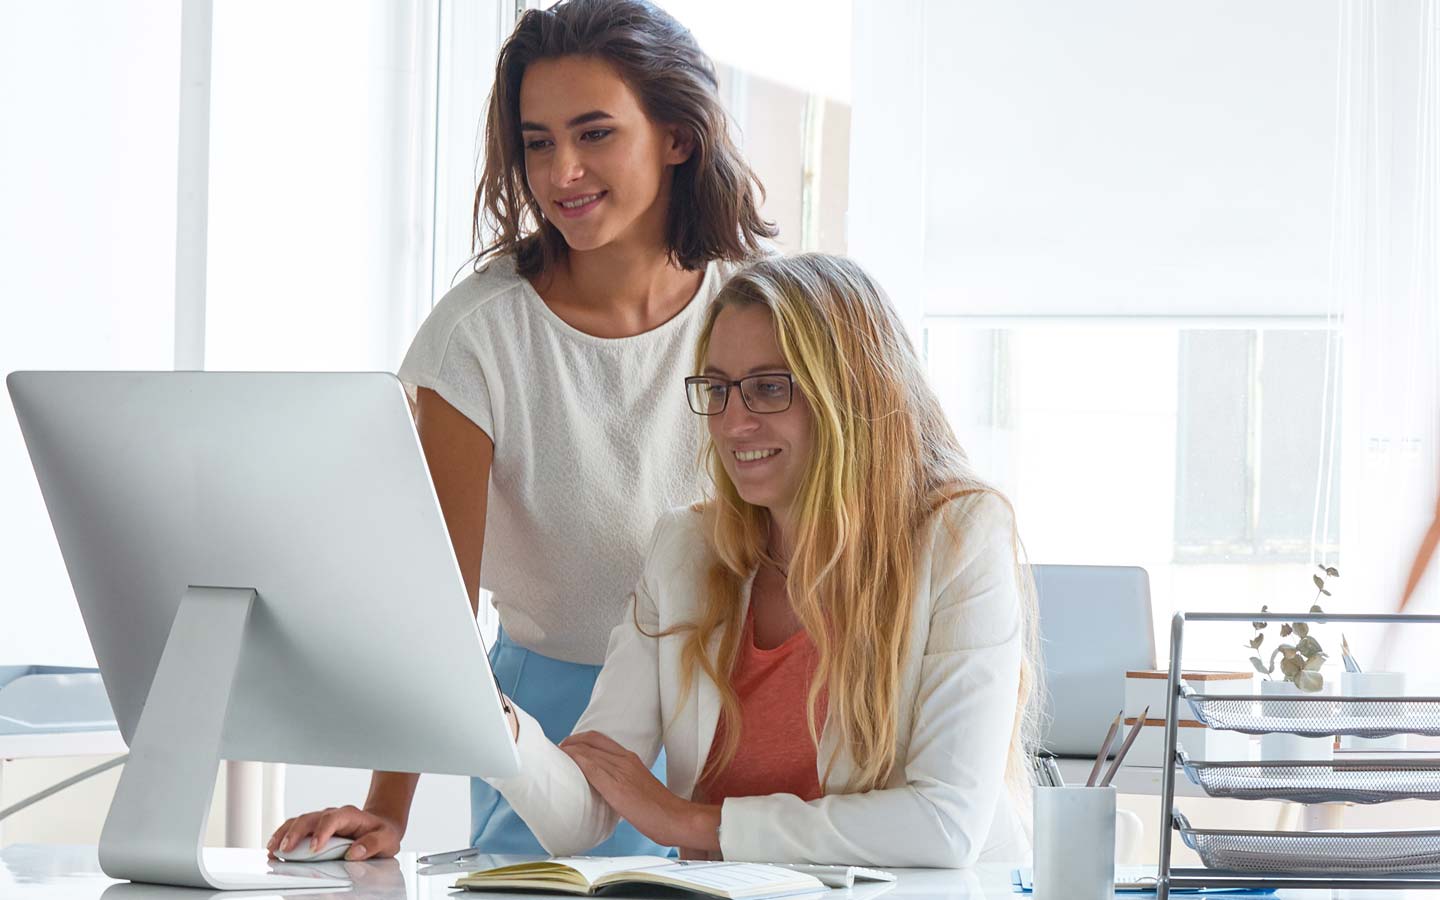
(53, 872)
(61, 743)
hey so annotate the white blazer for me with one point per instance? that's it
(945, 803)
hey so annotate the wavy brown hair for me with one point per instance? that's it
(885, 463)
(715, 197)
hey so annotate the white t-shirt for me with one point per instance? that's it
(593, 441)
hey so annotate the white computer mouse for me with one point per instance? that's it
(332, 849)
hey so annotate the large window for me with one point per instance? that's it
(1124, 308)
(789, 102)
(1197, 453)
(1253, 479)
(1127, 269)
(316, 228)
(88, 96)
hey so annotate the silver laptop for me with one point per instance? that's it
(1095, 625)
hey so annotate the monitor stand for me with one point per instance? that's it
(156, 827)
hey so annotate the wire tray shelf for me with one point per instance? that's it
(1327, 781)
(1316, 715)
(1315, 852)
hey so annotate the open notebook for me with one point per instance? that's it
(592, 874)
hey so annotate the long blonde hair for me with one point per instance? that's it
(884, 462)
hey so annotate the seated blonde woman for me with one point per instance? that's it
(835, 651)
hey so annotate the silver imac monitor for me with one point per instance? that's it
(265, 574)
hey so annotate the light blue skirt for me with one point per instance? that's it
(555, 693)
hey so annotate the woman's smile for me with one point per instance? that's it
(752, 459)
(577, 205)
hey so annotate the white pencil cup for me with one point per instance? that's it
(1370, 684)
(1074, 843)
(1280, 745)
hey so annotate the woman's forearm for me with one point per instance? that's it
(551, 795)
(704, 828)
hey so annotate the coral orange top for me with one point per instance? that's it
(776, 755)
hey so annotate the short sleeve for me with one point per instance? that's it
(446, 358)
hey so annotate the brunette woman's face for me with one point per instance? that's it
(766, 455)
(598, 167)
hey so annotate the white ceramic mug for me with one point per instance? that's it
(1074, 843)
(1129, 832)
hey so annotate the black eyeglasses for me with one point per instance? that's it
(765, 393)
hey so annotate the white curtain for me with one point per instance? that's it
(322, 183)
(1386, 277)
(329, 235)
(88, 98)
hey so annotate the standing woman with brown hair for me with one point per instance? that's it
(544, 382)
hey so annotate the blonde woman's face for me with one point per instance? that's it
(765, 454)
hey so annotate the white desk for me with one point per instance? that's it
(46, 872)
(254, 792)
(61, 743)
(51, 744)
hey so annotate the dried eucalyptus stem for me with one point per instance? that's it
(1301, 659)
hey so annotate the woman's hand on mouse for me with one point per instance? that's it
(374, 835)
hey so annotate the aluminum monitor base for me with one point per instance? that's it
(156, 826)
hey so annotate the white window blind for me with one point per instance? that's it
(1123, 157)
